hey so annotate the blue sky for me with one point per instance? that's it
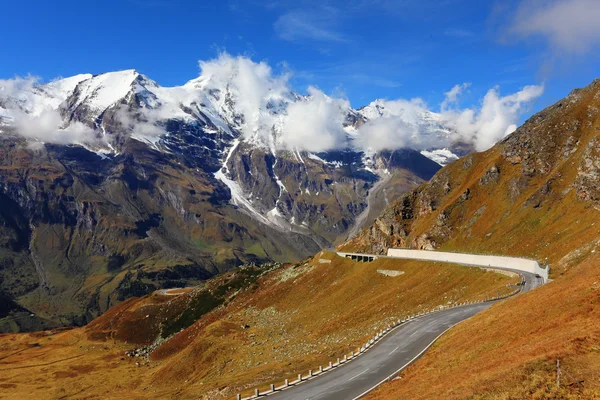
(360, 49)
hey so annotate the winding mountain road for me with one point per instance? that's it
(393, 353)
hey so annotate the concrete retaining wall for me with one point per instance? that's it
(520, 264)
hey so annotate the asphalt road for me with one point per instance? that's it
(393, 353)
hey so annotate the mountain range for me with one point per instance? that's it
(113, 186)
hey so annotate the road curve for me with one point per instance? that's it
(393, 353)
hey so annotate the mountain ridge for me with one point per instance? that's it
(139, 187)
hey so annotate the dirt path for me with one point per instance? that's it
(173, 291)
(42, 364)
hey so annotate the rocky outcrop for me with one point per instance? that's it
(587, 183)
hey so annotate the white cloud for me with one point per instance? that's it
(33, 116)
(145, 126)
(497, 117)
(315, 124)
(266, 101)
(399, 126)
(254, 88)
(47, 127)
(568, 25)
(404, 123)
(315, 25)
(19, 93)
(262, 105)
(451, 96)
(390, 133)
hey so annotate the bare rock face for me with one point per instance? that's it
(587, 183)
(423, 242)
(492, 175)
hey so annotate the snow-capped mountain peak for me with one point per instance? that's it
(251, 132)
(406, 109)
(58, 90)
(104, 90)
(230, 102)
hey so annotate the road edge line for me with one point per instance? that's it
(411, 361)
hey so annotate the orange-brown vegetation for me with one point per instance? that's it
(288, 320)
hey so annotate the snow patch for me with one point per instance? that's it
(315, 157)
(104, 90)
(440, 156)
(238, 197)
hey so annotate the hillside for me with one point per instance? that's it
(534, 194)
(80, 233)
(238, 330)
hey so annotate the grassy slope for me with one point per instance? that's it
(308, 313)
